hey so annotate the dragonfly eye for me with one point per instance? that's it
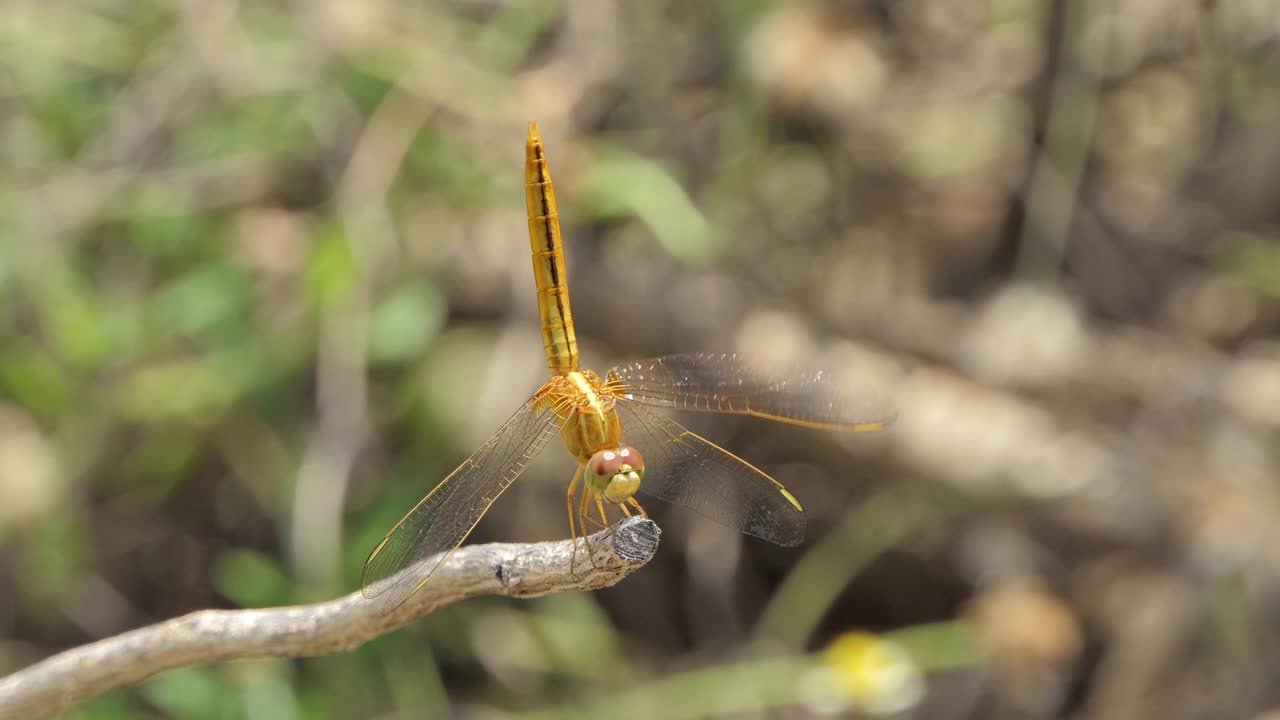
(616, 474)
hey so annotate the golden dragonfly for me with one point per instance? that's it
(592, 414)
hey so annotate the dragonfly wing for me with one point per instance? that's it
(684, 468)
(421, 542)
(731, 383)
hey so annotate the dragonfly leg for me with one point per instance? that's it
(587, 518)
(604, 520)
(636, 504)
(573, 528)
(583, 517)
(625, 511)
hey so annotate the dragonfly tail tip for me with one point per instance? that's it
(533, 131)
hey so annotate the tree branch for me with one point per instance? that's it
(512, 569)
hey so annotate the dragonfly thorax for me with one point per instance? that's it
(591, 420)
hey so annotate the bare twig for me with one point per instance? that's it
(517, 570)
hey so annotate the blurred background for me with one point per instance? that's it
(264, 281)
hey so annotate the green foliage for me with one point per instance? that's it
(112, 706)
(1255, 262)
(56, 557)
(404, 322)
(436, 161)
(274, 124)
(331, 272)
(198, 693)
(34, 378)
(620, 185)
(209, 303)
(250, 579)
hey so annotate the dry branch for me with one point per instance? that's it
(516, 570)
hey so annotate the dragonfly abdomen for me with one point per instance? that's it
(558, 337)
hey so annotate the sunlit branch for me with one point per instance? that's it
(516, 570)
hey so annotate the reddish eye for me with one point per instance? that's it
(615, 474)
(606, 463)
(632, 457)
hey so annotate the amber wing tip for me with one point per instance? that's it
(533, 131)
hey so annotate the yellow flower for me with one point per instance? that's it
(871, 674)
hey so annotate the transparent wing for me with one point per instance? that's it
(402, 563)
(731, 383)
(684, 468)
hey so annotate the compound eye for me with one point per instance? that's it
(632, 457)
(605, 464)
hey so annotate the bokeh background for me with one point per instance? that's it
(264, 280)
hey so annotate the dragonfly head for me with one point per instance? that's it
(616, 474)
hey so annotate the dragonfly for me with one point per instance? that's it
(592, 415)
